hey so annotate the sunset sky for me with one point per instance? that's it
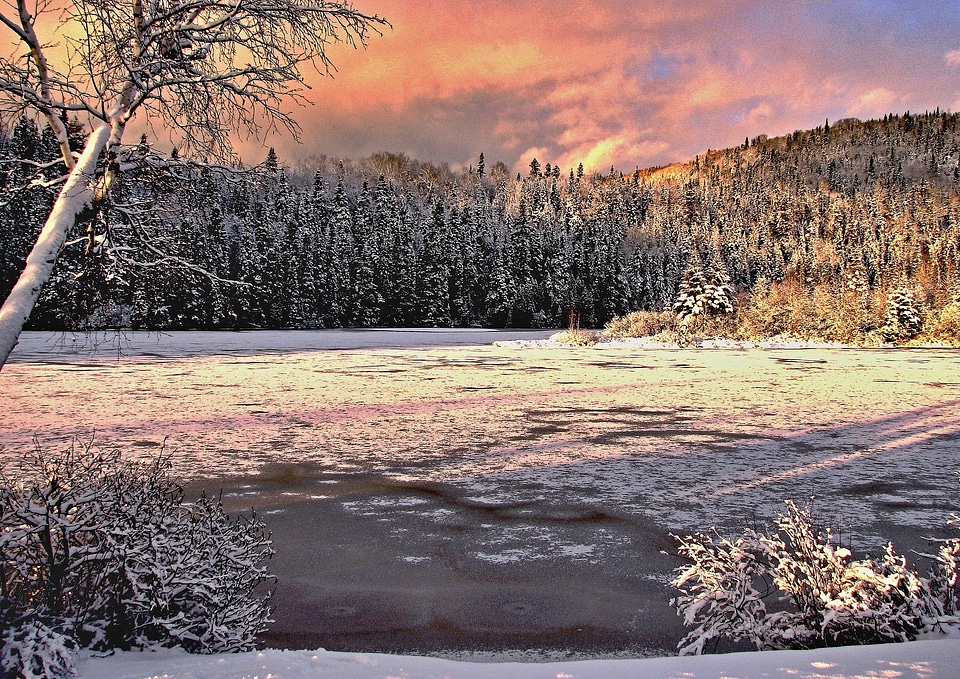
(622, 82)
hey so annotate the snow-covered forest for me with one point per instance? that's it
(869, 207)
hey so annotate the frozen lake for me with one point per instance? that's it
(430, 491)
(46, 347)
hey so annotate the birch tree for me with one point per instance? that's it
(204, 69)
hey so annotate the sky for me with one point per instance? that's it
(623, 83)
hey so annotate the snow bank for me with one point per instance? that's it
(930, 659)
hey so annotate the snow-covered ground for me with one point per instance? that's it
(938, 659)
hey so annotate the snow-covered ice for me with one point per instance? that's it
(474, 469)
(689, 438)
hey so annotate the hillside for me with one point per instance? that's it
(832, 220)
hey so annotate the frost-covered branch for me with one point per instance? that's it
(41, 97)
(210, 68)
(823, 596)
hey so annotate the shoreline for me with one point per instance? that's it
(695, 342)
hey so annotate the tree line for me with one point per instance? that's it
(391, 241)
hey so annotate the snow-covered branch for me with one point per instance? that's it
(207, 69)
(823, 596)
(102, 553)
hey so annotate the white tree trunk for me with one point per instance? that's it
(75, 195)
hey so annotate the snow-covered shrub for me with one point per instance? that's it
(703, 292)
(904, 319)
(31, 649)
(823, 596)
(640, 324)
(943, 325)
(575, 337)
(112, 556)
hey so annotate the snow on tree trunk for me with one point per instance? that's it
(74, 197)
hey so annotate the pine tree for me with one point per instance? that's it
(404, 301)
(501, 292)
(368, 298)
(433, 290)
(702, 292)
(904, 319)
(340, 258)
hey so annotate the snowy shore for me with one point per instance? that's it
(928, 659)
(606, 342)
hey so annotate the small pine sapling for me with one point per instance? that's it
(703, 292)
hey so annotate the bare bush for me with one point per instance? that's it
(944, 325)
(823, 313)
(641, 324)
(576, 337)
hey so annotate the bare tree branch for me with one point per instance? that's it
(205, 68)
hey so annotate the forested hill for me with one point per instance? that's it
(850, 208)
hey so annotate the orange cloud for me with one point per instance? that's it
(618, 82)
(876, 102)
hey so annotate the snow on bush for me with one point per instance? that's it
(102, 553)
(30, 648)
(821, 596)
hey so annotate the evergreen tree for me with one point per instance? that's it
(433, 290)
(904, 319)
(405, 301)
(368, 298)
(339, 262)
(702, 292)
(501, 292)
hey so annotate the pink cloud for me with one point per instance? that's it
(622, 82)
(875, 103)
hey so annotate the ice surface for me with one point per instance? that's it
(688, 438)
(490, 460)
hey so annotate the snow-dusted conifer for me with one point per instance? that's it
(904, 319)
(703, 292)
(434, 281)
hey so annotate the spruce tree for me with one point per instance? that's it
(433, 290)
(904, 319)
